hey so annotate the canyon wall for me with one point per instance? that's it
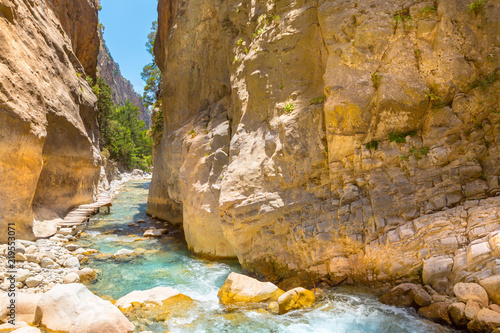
(335, 139)
(122, 89)
(50, 159)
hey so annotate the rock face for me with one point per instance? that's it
(48, 116)
(335, 138)
(121, 87)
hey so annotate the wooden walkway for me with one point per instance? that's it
(82, 213)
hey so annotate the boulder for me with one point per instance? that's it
(71, 278)
(298, 298)
(471, 291)
(495, 307)
(25, 307)
(153, 232)
(406, 295)
(45, 229)
(87, 275)
(159, 296)
(457, 314)
(485, 320)
(437, 312)
(492, 287)
(72, 247)
(240, 288)
(471, 308)
(72, 307)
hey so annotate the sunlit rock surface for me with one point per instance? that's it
(333, 138)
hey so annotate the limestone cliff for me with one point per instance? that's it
(121, 87)
(335, 138)
(48, 118)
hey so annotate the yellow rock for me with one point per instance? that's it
(298, 298)
(240, 288)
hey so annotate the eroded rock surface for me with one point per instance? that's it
(48, 119)
(333, 138)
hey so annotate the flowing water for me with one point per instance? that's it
(167, 262)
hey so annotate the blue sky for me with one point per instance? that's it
(127, 24)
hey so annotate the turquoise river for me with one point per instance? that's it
(167, 262)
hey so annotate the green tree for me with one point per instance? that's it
(151, 74)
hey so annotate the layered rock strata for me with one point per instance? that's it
(48, 118)
(333, 138)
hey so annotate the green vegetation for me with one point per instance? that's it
(428, 9)
(372, 145)
(400, 137)
(192, 133)
(376, 79)
(434, 100)
(240, 42)
(289, 107)
(404, 17)
(419, 153)
(484, 81)
(318, 100)
(476, 6)
(417, 53)
(151, 74)
(124, 137)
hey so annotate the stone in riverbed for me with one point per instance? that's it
(457, 314)
(471, 291)
(72, 307)
(87, 275)
(72, 247)
(471, 308)
(72, 262)
(298, 298)
(71, 278)
(34, 281)
(437, 312)
(492, 287)
(153, 232)
(22, 275)
(485, 320)
(406, 295)
(124, 252)
(240, 288)
(159, 296)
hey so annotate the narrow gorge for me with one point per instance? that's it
(316, 164)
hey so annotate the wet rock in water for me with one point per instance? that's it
(25, 307)
(485, 321)
(71, 278)
(72, 307)
(132, 224)
(437, 312)
(273, 307)
(457, 314)
(141, 221)
(492, 286)
(406, 295)
(471, 309)
(124, 252)
(103, 256)
(153, 232)
(240, 288)
(87, 275)
(298, 298)
(72, 262)
(159, 296)
(471, 291)
(34, 281)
